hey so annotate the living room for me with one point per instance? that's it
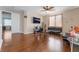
(38, 28)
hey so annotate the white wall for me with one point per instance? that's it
(70, 18)
(22, 22)
(28, 22)
(15, 23)
(46, 21)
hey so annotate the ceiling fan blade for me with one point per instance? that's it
(48, 7)
(42, 10)
(51, 10)
(47, 10)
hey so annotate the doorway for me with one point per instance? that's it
(6, 26)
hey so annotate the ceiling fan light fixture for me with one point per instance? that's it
(48, 7)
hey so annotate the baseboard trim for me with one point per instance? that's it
(17, 33)
(29, 33)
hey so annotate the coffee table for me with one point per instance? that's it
(73, 41)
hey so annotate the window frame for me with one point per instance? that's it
(55, 20)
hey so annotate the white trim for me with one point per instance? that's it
(28, 33)
(1, 41)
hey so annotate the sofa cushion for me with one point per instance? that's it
(54, 29)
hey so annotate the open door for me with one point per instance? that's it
(6, 26)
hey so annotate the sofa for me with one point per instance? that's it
(55, 29)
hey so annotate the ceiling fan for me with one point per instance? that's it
(47, 8)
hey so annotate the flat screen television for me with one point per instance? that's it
(36, 20)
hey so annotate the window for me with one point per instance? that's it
(52, 21)
(55, 21)
(59, 21)
(7, 22)
(6, 16)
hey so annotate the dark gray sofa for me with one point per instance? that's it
(55, 29)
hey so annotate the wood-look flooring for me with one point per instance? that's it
(35, 43)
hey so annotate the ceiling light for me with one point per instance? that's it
(47, 7)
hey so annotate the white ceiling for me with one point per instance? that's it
(37, 9)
